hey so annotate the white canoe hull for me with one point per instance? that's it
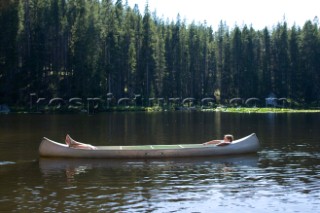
(248, 144)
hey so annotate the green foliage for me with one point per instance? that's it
(265, 110)
(88, 48)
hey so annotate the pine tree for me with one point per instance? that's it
(309, 61)
(295, 74)
(236, 61)
(9, 22)
(266, 63)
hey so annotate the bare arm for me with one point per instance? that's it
(223, 143)
(213, 142)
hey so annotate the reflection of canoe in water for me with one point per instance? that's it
(56, 165)
(249, 144)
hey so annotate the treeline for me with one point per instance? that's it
(89, 48)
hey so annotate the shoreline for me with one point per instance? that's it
(223, 109)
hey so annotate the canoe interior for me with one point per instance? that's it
(148, 147)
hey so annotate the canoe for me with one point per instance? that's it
(248, 144)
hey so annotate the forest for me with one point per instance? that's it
(94, 48)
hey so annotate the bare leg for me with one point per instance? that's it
(70, 141)
(75, 144)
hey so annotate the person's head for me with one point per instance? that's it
(228, 138)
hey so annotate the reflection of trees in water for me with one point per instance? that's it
(144, 184)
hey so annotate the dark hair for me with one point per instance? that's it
(229, 137)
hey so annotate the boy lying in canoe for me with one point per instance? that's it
(77, 145)
(227, 139)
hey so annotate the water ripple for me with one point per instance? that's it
(274, 180)
(3, 163)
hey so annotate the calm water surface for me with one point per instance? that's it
(283, 177)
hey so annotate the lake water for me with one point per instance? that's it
(284, 176)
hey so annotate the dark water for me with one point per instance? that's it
(283, 177)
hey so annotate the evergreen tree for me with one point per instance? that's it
(281, 59)
(309, 61)
(209, 64)
(146, 72)
(160, 62)
(266, 80)
(130, 51)
(295, 74)
(249, 73)
(9, 22)
(219, 41)
(226, 83)
(236, 61)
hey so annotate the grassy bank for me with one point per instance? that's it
(262, 110)
(63, 110)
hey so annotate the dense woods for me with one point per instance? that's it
(89, 48)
